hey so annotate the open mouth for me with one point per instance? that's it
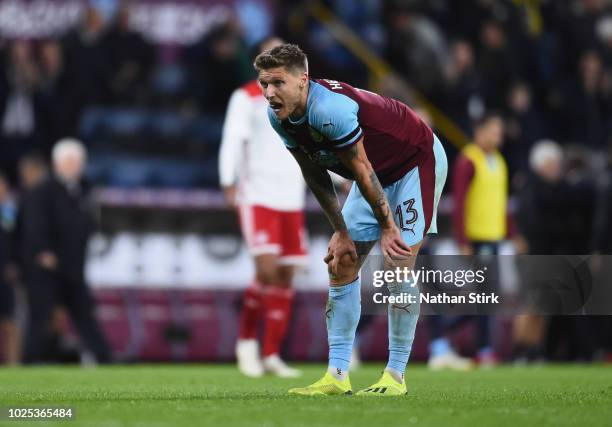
(276, 106)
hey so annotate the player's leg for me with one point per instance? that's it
(441, 353)
(277, 301)
(417, 197)
(402, 318)
(486, 257)
(9, 333)
(414, 200)
(80, 304)
(343, 311)
(402, 321)
(255, 223)
(343, 308)
(41, 294)
(344, 300)
(278, 298)
(342, 314)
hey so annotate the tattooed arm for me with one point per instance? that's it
(356, 160)
(320, 184)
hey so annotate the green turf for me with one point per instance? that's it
(216, 395)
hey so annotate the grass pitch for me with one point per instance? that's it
(216, 395)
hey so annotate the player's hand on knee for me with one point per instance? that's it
(392, 246)
(341, 251)
(345, 272)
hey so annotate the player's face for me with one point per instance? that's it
(493, 133)
(496, 132)
(284, 91)
(70, 167)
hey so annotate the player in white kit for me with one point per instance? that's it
(262, 181)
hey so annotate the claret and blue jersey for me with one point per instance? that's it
(407, 158)
(338, 115)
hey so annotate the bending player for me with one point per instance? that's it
(399, 168)
(270, 202)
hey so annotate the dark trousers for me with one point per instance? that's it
(7, 300)
(44, 292)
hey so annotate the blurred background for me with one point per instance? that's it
(144, 84)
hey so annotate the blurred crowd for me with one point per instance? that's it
(151, 115)
(544, 64)
(146, 109)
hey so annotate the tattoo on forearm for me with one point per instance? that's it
(356, 159)
(323, 189)
(381, 207)
(352, 153)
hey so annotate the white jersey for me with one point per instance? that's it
(254, 158)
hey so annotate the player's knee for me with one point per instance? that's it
(285, 275)
(266, 269)
(267, 274)
(266, 277)
(346, 272)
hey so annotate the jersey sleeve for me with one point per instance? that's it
(276, 125)
(236, 132)
(462, 177)
(336, 118)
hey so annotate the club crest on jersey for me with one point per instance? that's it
(315, 134)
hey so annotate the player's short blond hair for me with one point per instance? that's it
(286, 55)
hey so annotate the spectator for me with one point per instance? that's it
(604, 32)
(480, 218)
(417, 49)
(52, 120)
(578, 215)
(524, 126)
(601, 240)
(9, 333)
(578, 31)
(480, 193)
(587, 104)
(480, 189)
(32, 171)
(497, 63)
(544, 195)
(601, 244)
(464, 100)
(219, 64)
(18, 121)
(57, 221)
(131, 58)
(87, 67)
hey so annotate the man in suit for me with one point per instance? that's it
(58, 218)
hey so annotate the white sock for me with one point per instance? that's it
(337, 373)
